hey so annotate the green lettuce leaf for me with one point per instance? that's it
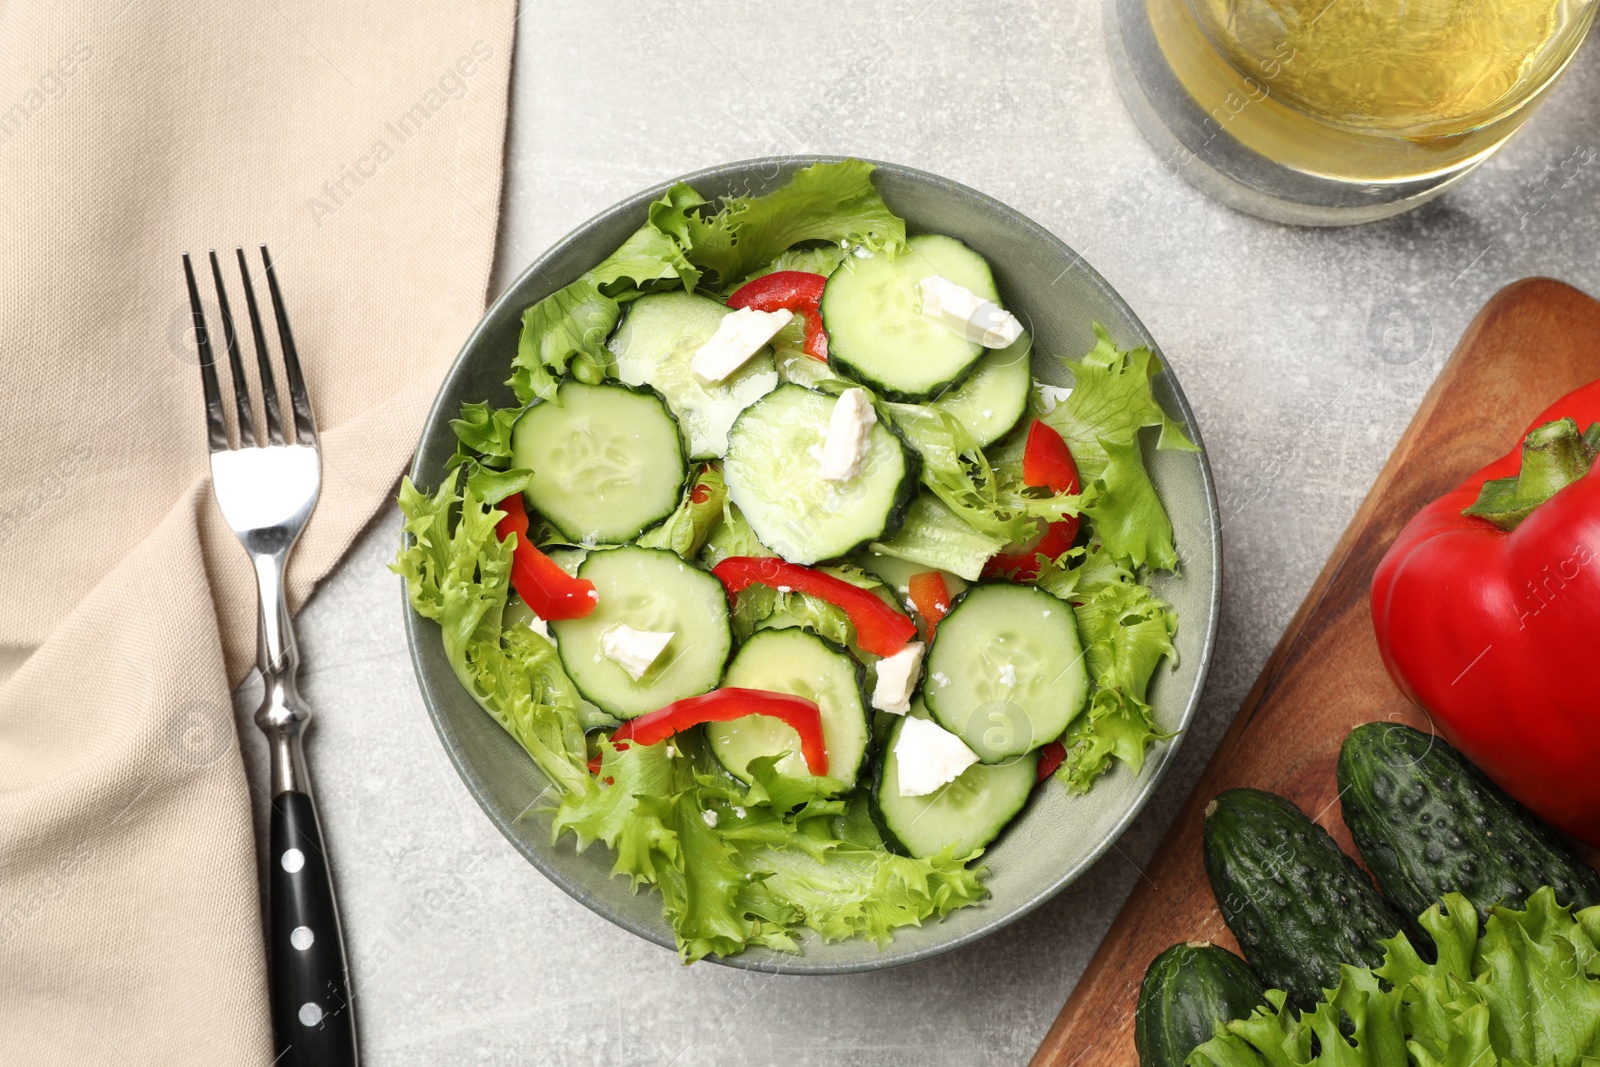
(483, 433)
(832, 202)
(1111, 401)
(573, 322)
(1525, 991)
(731, 537)
(1126, 632)
(685, 531)
(1127, 514)
(818, 259)
(460, 578)
(935, 536)
(739, 867)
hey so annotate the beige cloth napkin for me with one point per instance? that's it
(362, 141)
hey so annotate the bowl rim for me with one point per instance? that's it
(658, 932)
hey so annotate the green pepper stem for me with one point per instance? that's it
(1553, 457)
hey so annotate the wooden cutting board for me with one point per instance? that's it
(1534, 341)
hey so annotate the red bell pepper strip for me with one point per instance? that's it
(723, 705)
(1046, 463)
(1022, 564)
(1050, 757)
(551, 592)
(792, 290)
(880, 629)
(931, 596)
(1487, 611)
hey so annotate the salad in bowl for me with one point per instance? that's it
(788, 575)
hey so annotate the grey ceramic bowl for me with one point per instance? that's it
(1058, 296)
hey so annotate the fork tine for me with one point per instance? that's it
(216, 423)
(269, 390)
(230, 341)
(305, 426)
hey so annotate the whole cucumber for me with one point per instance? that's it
(1298, 905)
(1428, 822)
(1186, 992)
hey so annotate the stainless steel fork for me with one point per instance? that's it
(267, 486)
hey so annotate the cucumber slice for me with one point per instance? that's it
(988, 404)
(795, 661)
(1006, 673)
(607, 462)
(967, 814)
(776, 481)
(647, 589)
(653, 347)
(876, 335)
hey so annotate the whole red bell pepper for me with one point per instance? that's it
(551, 592)
(880, 629)
(1487, 610)
(725, 705)
(789, 290)
(1046, 463)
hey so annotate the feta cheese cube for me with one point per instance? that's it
(635, 651)
(740, 335)
(897, 678)
(849, 436)
(961, 311)
(929, 756)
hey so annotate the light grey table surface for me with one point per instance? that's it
(1304, 353)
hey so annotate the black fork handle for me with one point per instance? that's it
(311, 1012)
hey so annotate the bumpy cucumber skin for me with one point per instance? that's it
(1428, 822)
(1298, 905)
(1186, 992)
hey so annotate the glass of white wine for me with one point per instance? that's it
(1329, 112)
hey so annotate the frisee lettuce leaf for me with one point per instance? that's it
(817, 259)
(1127, 514)
(832, 202)
(460, 578)
(1111, 401)
(767, 862)
(1524, 991)
(957, 471)
(685, 531)
(1126, 632)
(567, 330)
(483, 433)
(731, 537)
(935, 536)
